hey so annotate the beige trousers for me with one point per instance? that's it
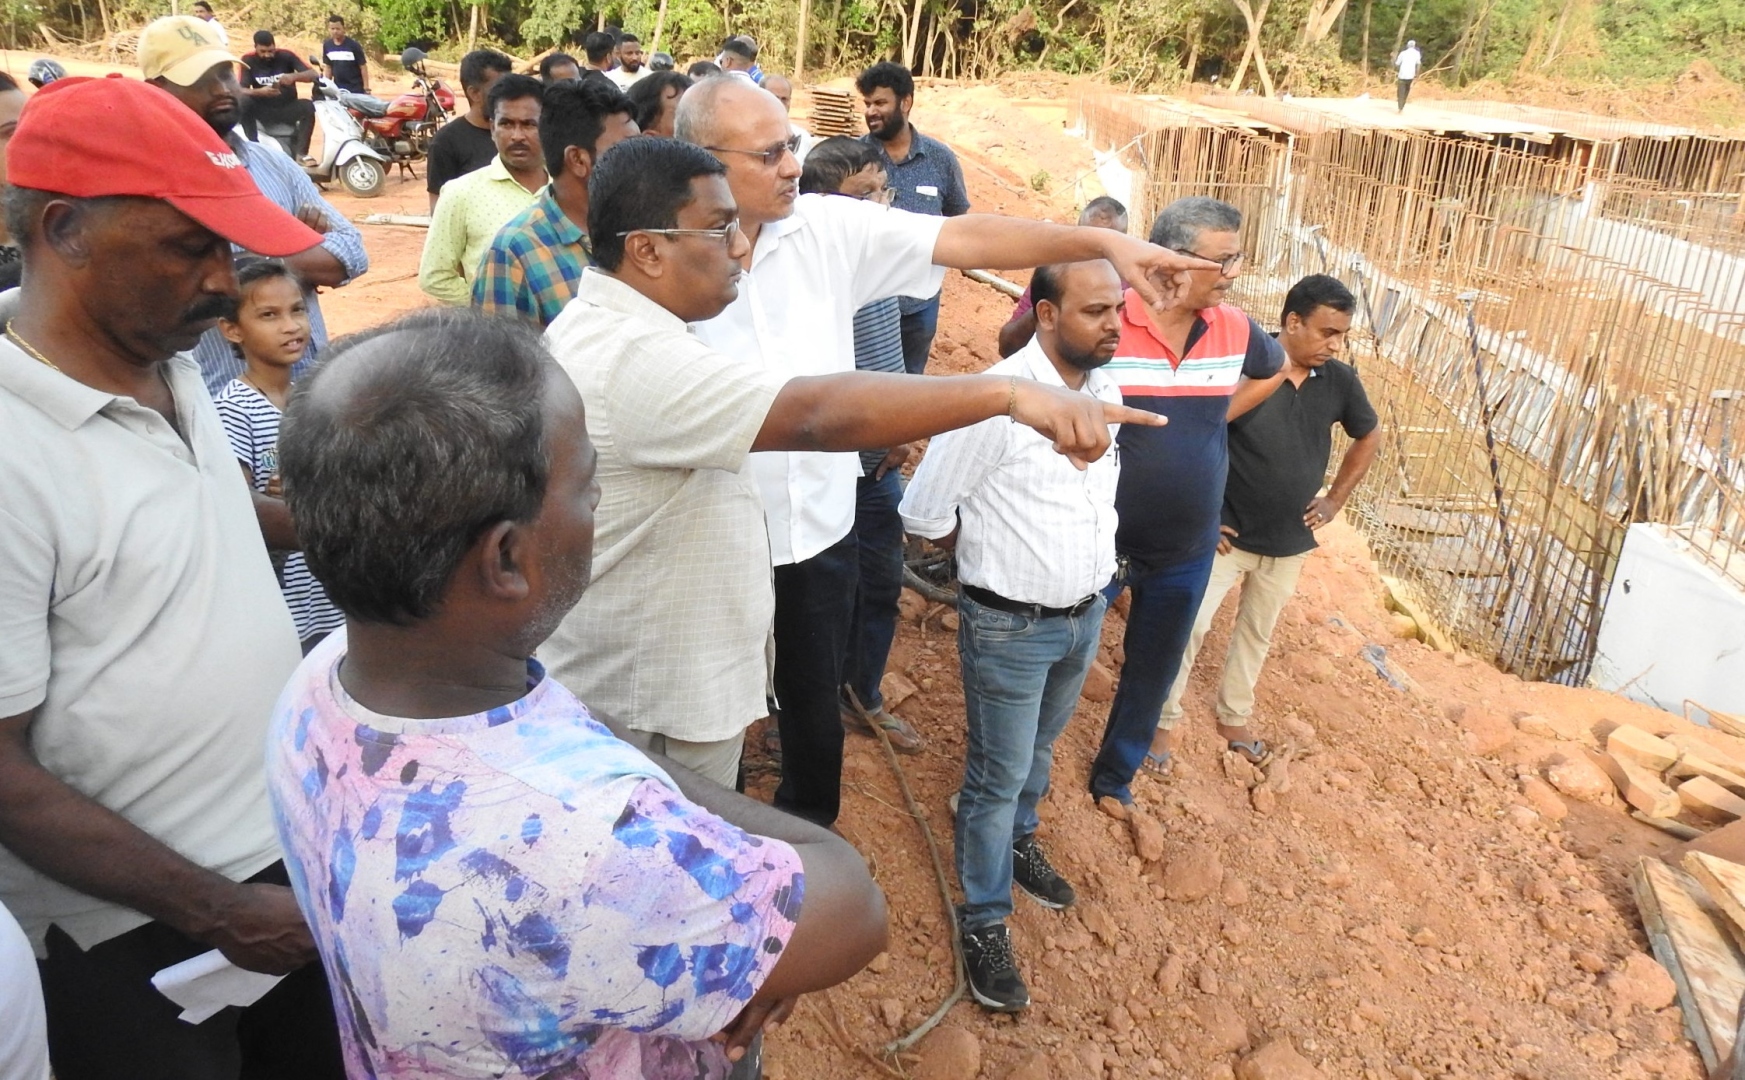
(717, 761)
(1267, 583)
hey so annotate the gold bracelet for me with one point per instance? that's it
(1012, 398)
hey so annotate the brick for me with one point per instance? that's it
(1633, 744)
(1707, 799)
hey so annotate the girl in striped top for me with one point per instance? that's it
(269, 328)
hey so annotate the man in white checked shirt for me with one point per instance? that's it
(1035, 541)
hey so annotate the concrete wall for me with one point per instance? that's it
(1673, 627)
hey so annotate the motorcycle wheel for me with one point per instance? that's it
(363, 177)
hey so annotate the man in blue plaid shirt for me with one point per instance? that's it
(534, 263)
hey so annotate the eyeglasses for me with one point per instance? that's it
(1229, 265)
(725, 233)
(769, 157)
(883, 196)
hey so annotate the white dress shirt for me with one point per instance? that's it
(1032, 527)
(810, 273)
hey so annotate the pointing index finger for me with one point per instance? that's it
(1123, 414)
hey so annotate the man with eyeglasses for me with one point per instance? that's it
(1201, 364)
(814, 261)
(671, 632)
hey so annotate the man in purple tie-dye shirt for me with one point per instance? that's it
(498, 885)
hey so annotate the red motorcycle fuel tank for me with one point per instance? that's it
(407, 107)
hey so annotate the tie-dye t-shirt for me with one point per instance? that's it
(517, 893)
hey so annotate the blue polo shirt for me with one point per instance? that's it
(928, 181)
(1172, 477)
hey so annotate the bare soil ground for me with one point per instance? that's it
(1399, 904)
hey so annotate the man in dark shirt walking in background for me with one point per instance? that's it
(925, 175)
(464, 143)
(1272, 502)
(347, 65)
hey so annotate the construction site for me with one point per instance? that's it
(1503, 835)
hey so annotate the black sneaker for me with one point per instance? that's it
(993, 974)
(1032, 872)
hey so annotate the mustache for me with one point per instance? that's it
(206, 309)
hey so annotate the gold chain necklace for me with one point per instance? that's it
(29, 348)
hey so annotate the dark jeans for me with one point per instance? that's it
(106, 1020)
(814, 606)
(878, 533)
(1405, 87)
(1160, 619)
(299, 114)
(919, 326)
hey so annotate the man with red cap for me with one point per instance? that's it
(143, 639)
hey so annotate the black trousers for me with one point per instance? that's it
(107, 1022)
(298, 113)
(1404, 88)
(814, 613)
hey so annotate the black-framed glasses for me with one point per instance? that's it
(1228, 265)
(725, 233)
(769, 157)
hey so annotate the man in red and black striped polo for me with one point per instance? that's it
(1200, 364)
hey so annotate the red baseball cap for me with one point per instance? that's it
(91, 138)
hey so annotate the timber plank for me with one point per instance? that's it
(1686, 931)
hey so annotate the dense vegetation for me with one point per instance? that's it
(1269, 45)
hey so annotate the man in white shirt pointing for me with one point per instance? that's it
(814, 261)
(1035, 541)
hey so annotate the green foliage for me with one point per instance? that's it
(1657, 39)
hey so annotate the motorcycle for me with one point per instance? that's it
(346, 156)
(400, 130)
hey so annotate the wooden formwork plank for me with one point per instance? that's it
(1688, 935)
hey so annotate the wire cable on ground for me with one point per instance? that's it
(958, 984)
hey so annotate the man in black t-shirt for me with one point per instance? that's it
(347, 65)
(464, 143)
(269, 84)
(1272, 503)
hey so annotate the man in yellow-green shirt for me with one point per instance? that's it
(471, 208)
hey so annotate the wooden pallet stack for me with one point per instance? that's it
(833, 112)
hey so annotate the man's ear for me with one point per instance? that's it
(500, 556)
(578, 162)
(641, 251)
(1047, 315)
(66, 228)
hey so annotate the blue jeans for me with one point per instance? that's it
(1021, 682)
(1159, 622)
(879, 532)
(919, 326)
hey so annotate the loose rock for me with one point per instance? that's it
(1194, 874)
(1148, 836)
(1541, 798)
(949, 1053)
(1484, 732)
(1032, 1066)
(896, 688)
(1640, 980)
(1579, 778)
(1224, 1026)
(1277, 1060)
(1099, 683)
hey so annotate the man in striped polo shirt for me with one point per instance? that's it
(1200, 364)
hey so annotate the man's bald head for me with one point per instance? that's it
(718, 107)
(782, 88)
(403, 444)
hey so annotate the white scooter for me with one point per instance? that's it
(345, 156)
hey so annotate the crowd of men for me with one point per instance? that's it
(635, 484)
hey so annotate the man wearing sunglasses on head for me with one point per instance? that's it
(811, 262)
(671, 632)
